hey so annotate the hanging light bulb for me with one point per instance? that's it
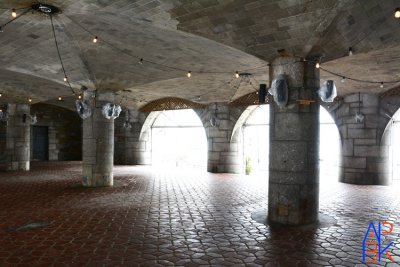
(381, 85)
(189, 74)
(79, 97)
(317, 65)
(59, 98)
(397, 13)
(343, 79)
(13, 13)
(95, 39)
(30, 100)
(350, 51)
(237, 74)
(1, 94)
(65, 78)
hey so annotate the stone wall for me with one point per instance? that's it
(133, 146)
(2, 143)
(65, 131)
(224, 150)
(364, 159)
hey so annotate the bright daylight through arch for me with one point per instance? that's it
(179, 140)
(256, 143)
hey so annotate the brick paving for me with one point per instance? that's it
(154, 218)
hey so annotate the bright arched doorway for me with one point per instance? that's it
(178, 140)
(329, 147)
(255, 132)
(394, 152)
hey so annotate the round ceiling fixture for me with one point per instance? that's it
(45, 8)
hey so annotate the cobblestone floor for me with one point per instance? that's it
(151, 218)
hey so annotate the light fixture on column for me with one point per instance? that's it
(111, 111)
(3, 115)
(397, 13)
(127, 125)
(317, 65)
(214, 118)
(83, 107)
(328, 91)
(279, 90)
(359, 116)
(262, 92)
(32, 119)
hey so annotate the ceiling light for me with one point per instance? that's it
(397, 13)
(13, 13)
(317, 65)
(95, 39)
(189, 74)
(237, 74)
(350, 51)
(381, 85)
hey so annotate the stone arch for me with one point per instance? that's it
(390, 108)
(223, 156)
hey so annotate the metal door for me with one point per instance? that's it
(40, 143)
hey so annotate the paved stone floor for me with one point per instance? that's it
(154, 218)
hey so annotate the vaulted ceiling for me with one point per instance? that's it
(211, 38)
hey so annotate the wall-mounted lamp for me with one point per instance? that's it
(111, 111)
(280, 91)
(328, 91)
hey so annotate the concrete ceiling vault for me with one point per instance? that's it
(216, 37)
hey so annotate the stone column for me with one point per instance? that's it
(132, 145)
(294, 146)
(18, 137)
(224, 154)
(364, 159)
(98, 145)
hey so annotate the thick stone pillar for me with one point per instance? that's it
(224, 154)
(133, 145)
(98, 145)
(18, 137)
(364, 158)
(294, 147)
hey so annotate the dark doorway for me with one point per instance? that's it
(40, 143)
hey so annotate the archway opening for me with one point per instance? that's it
(179, 140)
(256, 140)
(394, 152)
(255, 129)
(329, 148)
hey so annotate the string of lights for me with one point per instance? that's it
(98, 39)
(59, 56)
